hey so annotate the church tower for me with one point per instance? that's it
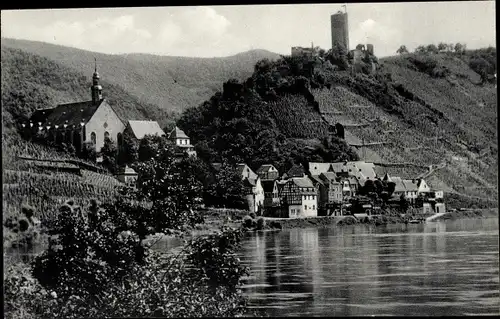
(96, 89)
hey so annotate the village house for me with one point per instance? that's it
(127, 175)
(299, 198)
(254, 192)
(182, 141)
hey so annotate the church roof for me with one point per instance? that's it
(177, 133)
(72, 113)
(41, 115)
(142, 128)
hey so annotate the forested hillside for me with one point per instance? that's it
(171, 83)
(421, 109)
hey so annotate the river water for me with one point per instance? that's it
(433, 269)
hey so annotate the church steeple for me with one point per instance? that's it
(96, 89)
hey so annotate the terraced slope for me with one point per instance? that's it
(447, 122)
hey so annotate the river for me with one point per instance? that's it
(432, 269)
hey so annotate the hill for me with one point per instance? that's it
(432, 112)
(172, 83)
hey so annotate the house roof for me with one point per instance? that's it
(296, 171)
(73, 113)
(142, 128)
(127, 171)
(265, 168)
(318, 168)
(302, 182)
(316, 179)
(242, 168)
(405, 185)
(329, 176)
(400, 186)
(410, 185)
(177, 133)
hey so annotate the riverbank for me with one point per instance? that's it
(270, 223)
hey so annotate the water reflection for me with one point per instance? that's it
(443, 268)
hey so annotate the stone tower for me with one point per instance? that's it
(96, 89)
(340, 29)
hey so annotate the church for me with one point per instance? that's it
(87, 121)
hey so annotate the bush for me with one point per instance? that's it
(253, 215)
(247, 221)
(261, 223)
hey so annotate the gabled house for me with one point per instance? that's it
(127, 175)
(182, 141)
(268, 172)
(300, 197)
(253, 187)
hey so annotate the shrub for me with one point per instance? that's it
(276, 225)
(261, 223)
(253, 215)
(247, 221)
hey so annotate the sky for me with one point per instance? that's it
(211, 31)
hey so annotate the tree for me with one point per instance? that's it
(337, 55)
(228, 189)
(129, 151)
(403, 203)
(481, 67)
(442, 46)
(150, 146)
(89, 151)
(432, 48)
(402, 49)
(459, 48)
(109, 153)
(420, 49)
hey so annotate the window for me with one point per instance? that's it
(106, 135)
(314, 207)
(93, 137)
